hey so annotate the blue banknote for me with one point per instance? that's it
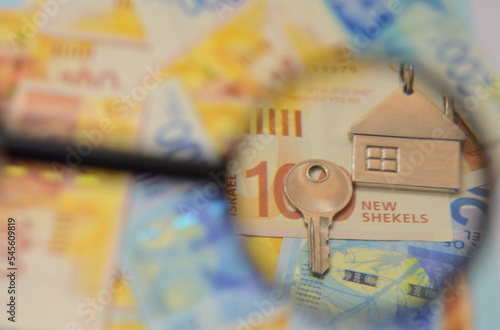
(186, 265)
(385, 283)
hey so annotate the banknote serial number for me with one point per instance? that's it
(11, 269)
(330, 69)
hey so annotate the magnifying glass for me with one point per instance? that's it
(149, 232)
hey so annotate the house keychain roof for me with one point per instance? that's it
(407, 142)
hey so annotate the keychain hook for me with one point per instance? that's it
(449, 107)
(407, 73)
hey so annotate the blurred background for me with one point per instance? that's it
(257, 86)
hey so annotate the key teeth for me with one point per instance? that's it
(319, 269)
(319, 250)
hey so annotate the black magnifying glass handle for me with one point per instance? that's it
(49, 150)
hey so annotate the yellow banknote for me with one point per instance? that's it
(13, 22)
(84, 67)
(110, 21)
(264, 253)
(125, 314)
(79, 44)
(92, 120)
(72, 60)
(15, 58)
(66, 239)
(188, 22)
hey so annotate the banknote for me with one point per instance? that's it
(164, 125)
(73, 60)
(66, 75)
(194, 19)
(263, 252)
(91, 120)
(125, 313)
(10, 75)
(15, 60)
(110, 21)
(78, 41)
(14, 14)
(384, 281)
(188, 267)
(65, 237)
(312, 120)
(428, 34)
(62, 56)
(171, 126)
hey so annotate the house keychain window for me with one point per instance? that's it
(383, 159)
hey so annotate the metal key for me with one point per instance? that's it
(319, 189)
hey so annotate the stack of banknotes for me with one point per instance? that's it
(262, 85)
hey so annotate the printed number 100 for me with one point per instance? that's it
(279, 197)
(261, 172)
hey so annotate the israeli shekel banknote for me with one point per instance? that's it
(311, 119)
